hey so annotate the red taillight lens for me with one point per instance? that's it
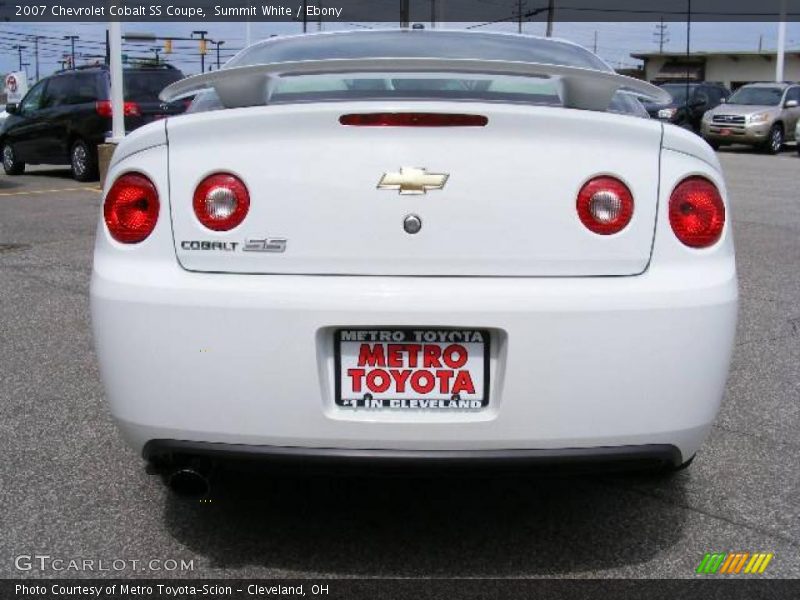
(605, 205)
(221, 201)
(696, 212)
(131, 208)
(130, 109)
(103, 108)
(413, 120)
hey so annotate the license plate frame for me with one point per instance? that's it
(405, 402)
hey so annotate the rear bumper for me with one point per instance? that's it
(622, 457)
(577, 363)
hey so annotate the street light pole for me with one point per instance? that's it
(781, 43)
(117, 95)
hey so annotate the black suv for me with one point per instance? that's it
(702, 96)
(64, 117)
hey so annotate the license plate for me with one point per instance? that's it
(725, 131)
(412, 368)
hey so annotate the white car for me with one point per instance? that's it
(430, 246)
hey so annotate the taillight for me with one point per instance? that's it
(221, 201)
(103, 108)
(131, 208)
(605, 205)
(414, 119)
(696, 212)
(129, 109)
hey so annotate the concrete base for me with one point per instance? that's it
(104, 154)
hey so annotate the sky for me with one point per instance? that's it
(615, 41)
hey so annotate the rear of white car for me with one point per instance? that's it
(424, 279)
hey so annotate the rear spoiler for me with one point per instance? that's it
(253, 85)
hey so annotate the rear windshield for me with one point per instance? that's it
(418, 44)
(143, 85)
(416, 86)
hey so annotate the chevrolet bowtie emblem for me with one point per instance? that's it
(411, 180)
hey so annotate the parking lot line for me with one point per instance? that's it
(73, 189)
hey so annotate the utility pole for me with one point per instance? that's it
(760, 42)
(661, 35)
(433, 14)
(594, 46)
(305, 16)
(72, 39)
(36, 39)
(218, 44)
(203, 42)
(551, 13)
(19, 49)
(519, 16)
(156, 51)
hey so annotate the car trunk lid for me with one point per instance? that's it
(507, 206)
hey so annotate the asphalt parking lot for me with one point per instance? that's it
(70, 488)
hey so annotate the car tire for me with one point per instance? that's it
(11, 164)
(774, 141)
(83, 161)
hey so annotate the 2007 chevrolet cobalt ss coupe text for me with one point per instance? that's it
(413, 246)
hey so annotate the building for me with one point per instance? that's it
(733, 68)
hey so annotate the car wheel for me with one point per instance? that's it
(83, 161)
(11, 164)
(774, 141)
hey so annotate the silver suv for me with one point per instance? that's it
(759, 114)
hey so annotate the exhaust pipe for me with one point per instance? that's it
(190, 480)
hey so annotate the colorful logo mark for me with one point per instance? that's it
(733, 563)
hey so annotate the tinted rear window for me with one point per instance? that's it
(418, 44)
(145, 85)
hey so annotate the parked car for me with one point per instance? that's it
(63, 118)
(759, 114)
(408, 247)
(797, 136)
(701, 96)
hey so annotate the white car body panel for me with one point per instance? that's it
(314, 182)
(597, 342)
(578, 362)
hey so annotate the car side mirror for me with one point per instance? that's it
(12, 108)
(791, 104)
